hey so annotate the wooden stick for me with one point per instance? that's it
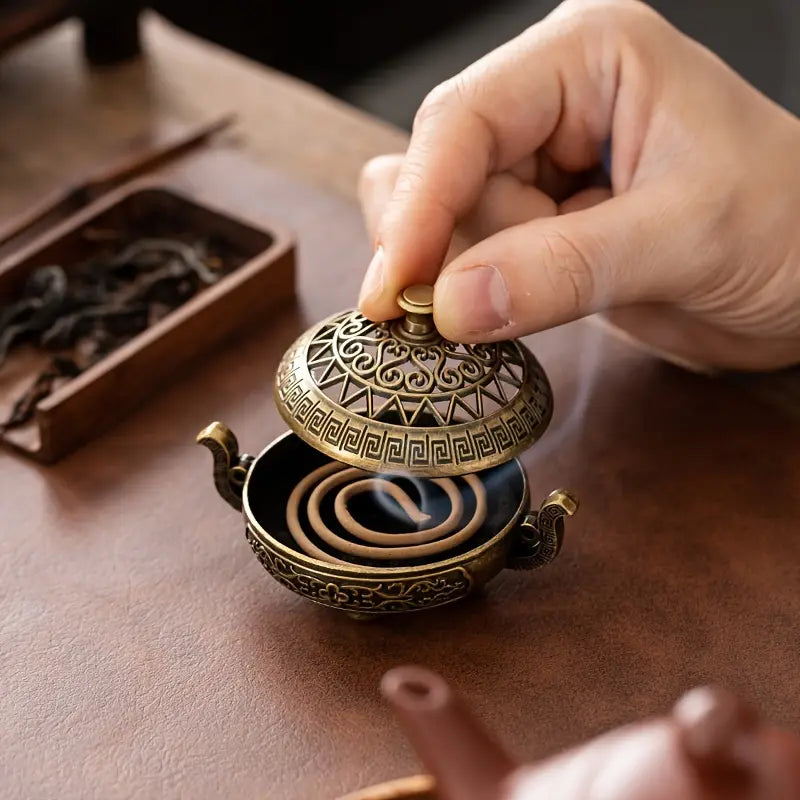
(109, 178)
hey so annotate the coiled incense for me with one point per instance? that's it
(378, 545)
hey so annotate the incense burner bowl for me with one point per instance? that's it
(510, 535)
(398, 487)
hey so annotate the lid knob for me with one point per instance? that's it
(417, 302)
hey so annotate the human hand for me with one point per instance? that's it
(692, 247)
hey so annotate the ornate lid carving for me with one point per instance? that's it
(397, 397)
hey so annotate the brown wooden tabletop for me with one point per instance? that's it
(143, 650)
(60, 119)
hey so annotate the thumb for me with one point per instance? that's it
(553, 270)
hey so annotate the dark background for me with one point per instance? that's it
(385, 56)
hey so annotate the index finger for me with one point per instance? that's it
(554, 86)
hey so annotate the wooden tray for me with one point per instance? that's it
(112, 388)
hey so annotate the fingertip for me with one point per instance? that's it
(377, 299)
(472, 304)
(519, 281)
(462, 336)
(378, 311)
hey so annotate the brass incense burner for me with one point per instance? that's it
(398, 486)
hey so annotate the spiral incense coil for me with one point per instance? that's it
(379, 545)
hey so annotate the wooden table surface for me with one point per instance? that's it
(143, 650)
(58, 118)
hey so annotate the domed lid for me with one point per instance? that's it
(397, 397)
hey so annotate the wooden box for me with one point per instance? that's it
(99, 397)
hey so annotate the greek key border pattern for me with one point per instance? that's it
(319, 418)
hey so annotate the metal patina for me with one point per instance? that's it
(394, 405)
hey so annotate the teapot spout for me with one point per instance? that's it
(466, 762)
(230, 467)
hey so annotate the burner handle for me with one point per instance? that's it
(541, 533)
(230, 467)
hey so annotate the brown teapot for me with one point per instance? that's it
(710, 746)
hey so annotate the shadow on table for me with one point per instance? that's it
(674, 572)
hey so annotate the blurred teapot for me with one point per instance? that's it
(711, 746)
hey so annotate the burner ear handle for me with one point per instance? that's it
(230, 467)
(541, 534)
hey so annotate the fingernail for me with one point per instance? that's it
(372, 286)
(475, 300)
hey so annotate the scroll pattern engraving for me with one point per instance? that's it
(372, 371)
(540, 539)
(341, 384)
(365, 595)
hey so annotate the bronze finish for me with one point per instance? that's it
(528, 541)
(396, 396)
(417, 302)
(230, 468)
(398, 400)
